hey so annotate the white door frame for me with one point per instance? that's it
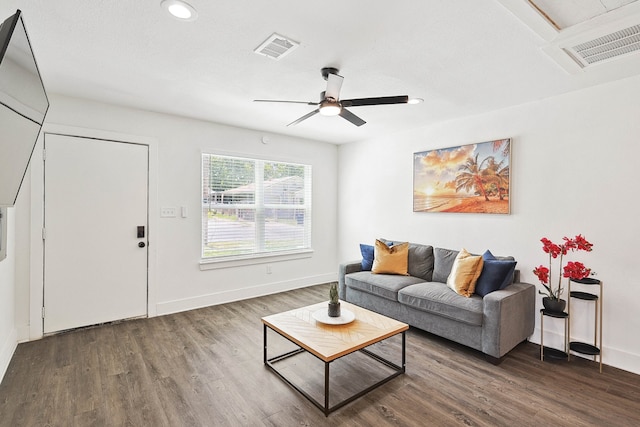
(36, 281)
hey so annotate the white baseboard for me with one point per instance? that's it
(6, 351)
(613, 357)
(621, 359)
(224, 297)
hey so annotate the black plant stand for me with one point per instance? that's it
(550, 352)
(594, 350)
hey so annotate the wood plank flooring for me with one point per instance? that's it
(204, 368)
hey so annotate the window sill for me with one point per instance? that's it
(213, 264)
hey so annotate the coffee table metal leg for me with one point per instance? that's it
(404, 352)
(264, 332)
(326, 389)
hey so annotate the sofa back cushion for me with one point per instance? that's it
(420, 260)
(443, 262)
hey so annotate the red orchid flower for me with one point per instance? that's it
(551, 248)
(576, 270)
(542, 273)
(582, 243)
(573, 270)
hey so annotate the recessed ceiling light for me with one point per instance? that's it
(415, 101)
(180, 10)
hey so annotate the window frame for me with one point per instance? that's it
(260, 255)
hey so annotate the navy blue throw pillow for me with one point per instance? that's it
(496, 274)
(367, 256)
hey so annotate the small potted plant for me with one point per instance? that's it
(334, 303)
(573, 270)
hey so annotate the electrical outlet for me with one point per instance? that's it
(268, 268)
(168, 212)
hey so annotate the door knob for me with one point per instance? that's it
(141, 245)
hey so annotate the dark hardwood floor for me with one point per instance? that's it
(204, 368)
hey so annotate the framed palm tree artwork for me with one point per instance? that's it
(471, 178)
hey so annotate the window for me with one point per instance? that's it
(253, 208)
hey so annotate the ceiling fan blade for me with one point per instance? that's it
(351, 117)
(288, 102)
(381, 100)
(334, 83)
(305, 117)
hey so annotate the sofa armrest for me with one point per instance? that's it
(508, 319)
(344, 269)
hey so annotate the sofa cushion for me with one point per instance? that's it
(420, 260)
(496, 274)
(384, 285)
(464, 273)
(367, 256)
(511, 278)
(390, 259)
(443, 261)
(437, 298)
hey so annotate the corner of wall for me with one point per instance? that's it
(7, 349)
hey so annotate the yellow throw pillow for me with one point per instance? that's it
(464, 273)
(390, 260)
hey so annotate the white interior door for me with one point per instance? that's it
(95, 265)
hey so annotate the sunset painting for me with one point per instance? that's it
(470, 178)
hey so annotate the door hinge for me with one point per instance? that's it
(43, 312)
(44, 154)
(44, 233)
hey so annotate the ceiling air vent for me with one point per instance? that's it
(606, 47)
(276, 47)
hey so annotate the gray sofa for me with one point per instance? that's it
(493, 324)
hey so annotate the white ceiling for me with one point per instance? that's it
(462, 57)
(567, 13)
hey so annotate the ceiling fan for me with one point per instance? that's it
(331, 105)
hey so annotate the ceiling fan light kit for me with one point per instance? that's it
(331, 105)
(330, 108)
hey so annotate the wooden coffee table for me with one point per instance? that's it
(330, 342)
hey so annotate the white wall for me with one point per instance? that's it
(179, 282)
(13, 270)
(8, 332)
(574, 170)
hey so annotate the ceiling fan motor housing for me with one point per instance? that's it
(328, 70)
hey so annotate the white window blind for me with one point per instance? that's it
(254, 207)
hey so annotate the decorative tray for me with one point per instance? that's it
(345, 317)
